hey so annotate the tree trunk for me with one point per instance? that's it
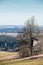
(31, 46)
(31, 50)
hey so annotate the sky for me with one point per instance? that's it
(17, 12)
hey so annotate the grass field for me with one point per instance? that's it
(23, 62)
(5, 54)
(18, 62)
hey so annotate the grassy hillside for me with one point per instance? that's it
(18, 62)
(23, 62)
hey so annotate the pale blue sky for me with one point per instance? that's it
(16, 12)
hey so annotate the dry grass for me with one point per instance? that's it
(5, 54)
(23, 62)
(18, 62)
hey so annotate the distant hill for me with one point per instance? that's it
(13, 28)
(8, 35)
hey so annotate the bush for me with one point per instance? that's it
(24, 51)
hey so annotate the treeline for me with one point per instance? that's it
(7, 43)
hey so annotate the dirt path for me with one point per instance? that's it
(9, 58)
(17, 57)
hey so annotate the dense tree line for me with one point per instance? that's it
(7, 43)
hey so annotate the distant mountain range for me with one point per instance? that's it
(13, 28)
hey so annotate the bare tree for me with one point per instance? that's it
(30, 33)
